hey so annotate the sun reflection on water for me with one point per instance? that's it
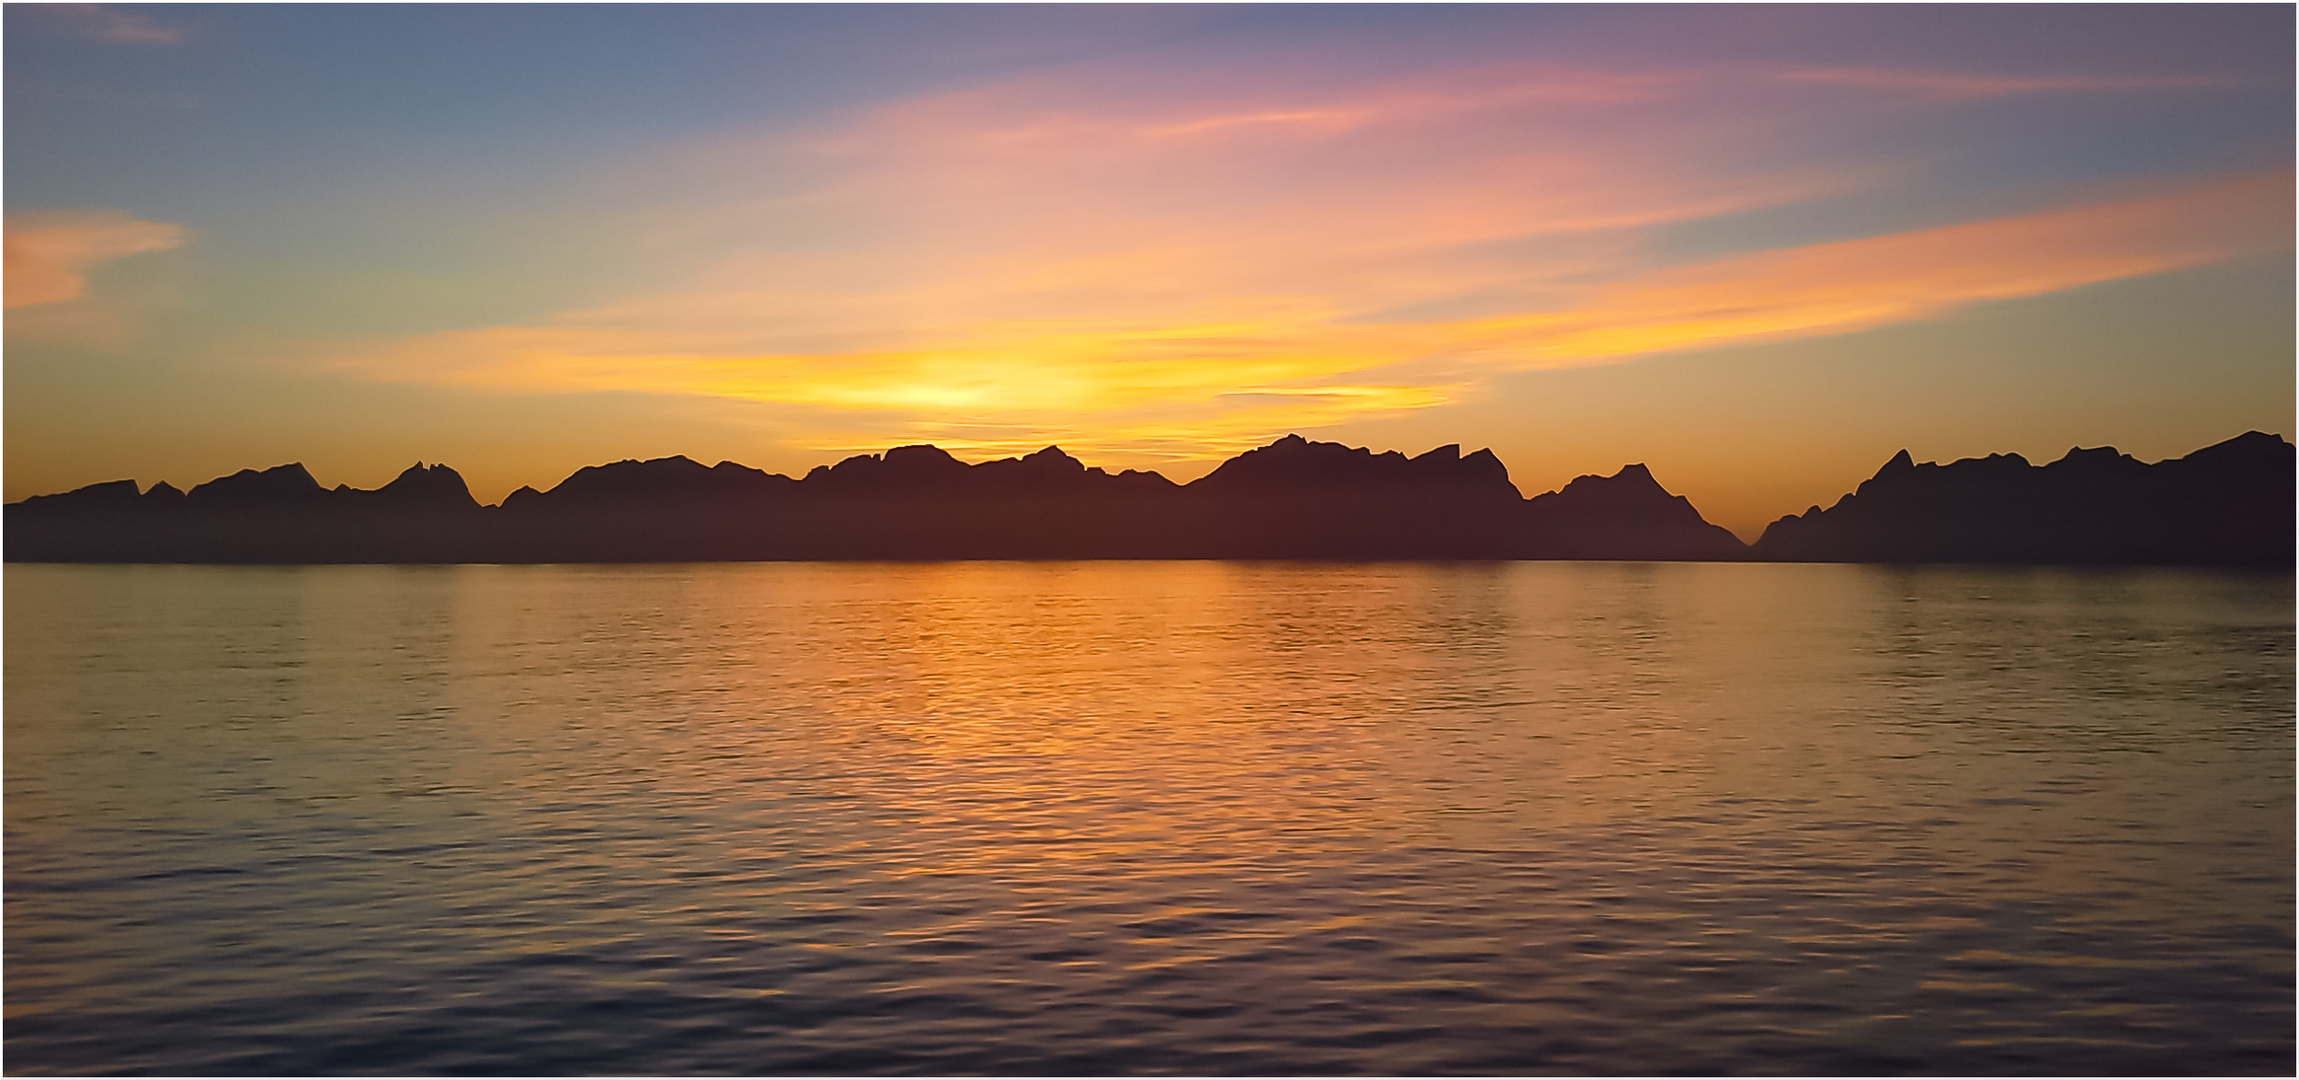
(1195, 817)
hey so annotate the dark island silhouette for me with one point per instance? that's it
(2227, 504)
(2230, 504)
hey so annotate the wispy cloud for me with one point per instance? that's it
(103, 22)
(1147, 268)
(49, 255)
(1858, 284)
(1231, 371)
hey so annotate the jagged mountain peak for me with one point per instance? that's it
(654, 480)
(2230, 503)
(1048, 465)
(429, 484)
(1294, 461)
(280, 482)
(2097, 461)
(921, 457)
(2257, 448)
(1626, 515)
(1293, 498)
(1631, 481)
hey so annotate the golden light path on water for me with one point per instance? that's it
(1181, 817)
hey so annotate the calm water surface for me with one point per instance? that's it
(1170, 817)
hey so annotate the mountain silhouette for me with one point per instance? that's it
(1627, 515)
(285, 485)
(426, 487)
(2227, 504)
(1297, 499)
(1292, 499)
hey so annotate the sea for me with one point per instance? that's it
(1195, 818)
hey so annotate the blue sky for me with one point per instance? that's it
(1758, 248)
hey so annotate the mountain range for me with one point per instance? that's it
(2229, 504)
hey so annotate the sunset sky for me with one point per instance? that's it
(1759, 249)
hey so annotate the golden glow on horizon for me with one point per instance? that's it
(1228, 374)
(1176, 252)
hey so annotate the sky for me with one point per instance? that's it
(1759, 249)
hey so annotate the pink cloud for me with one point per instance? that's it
(1218, 371)
(48, 256)
(1136, 262)
(1857, 284)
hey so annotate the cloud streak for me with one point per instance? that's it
(1225, 375)
(1859, 284)
(49, 255)
(1145, 268)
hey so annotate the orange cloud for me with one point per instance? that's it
(48, 256)
(1220, 374)
(1857, 284)
(1184, 271)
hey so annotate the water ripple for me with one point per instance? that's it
(1147, 818)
